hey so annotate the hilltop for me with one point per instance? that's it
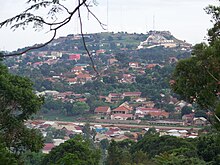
(115, 41)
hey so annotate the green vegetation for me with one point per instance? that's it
(74, 151)
(197, 78)
(18, 104)
(155, 149)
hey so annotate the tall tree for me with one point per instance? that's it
(18, 103)
(197, 79)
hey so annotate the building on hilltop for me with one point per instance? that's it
(162, 38)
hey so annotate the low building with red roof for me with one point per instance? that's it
(114, 97)
(151, 66)
(71, 81)
(141, 112)
(159, 115)
(82, 78)
(74, 57)
(48, 147)
(105, 110)
(122, 117)
(122, 110)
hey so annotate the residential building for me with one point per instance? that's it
(122, 110)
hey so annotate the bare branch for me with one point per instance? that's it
(84, 43)
(101, 24)
(31, 48)
(27, 17)
(217, 117)
(207, 70)
(67, 10)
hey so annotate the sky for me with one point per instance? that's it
(185, 19)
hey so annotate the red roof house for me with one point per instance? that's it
(74, 57)
(48, 147)
(103, 110)
(122, 110)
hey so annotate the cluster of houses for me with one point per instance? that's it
(109, 132)
(127, 112)
(80, 72)
(136, 109)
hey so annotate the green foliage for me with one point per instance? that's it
(186, 110)
(104, 144)
(197, 78)
(75, 151)
(53, 133)
(214, 31)
(153, 144)
(18, 104)
(6, 157)
(165, 150)
(119, 153)
(32, 158)
(171, 159)
(194, 82)
(209, 147)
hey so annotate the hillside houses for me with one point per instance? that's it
(63, 72)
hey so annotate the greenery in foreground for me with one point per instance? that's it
(150, 149)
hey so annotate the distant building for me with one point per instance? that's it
(122, 117)
(134, 64)
(122, 110)
(103, 110)
(160, 38)
(113, 97)
(74, 57)
(47, 148)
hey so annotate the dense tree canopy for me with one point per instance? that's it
(18, 103)
(75, 151)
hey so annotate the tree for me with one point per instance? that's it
(197, 79)
(6, 157)
(171, 159)
(186, 110)
(18, 103)
(75, 151)
(153, 144)
(32, 158)
(208, 147)
(80, 107)
(118, 153)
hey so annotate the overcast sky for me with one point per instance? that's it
(185, 19)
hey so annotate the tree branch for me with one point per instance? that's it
(84, 43)
(101, 24)
(26, 17)
(31, 48)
